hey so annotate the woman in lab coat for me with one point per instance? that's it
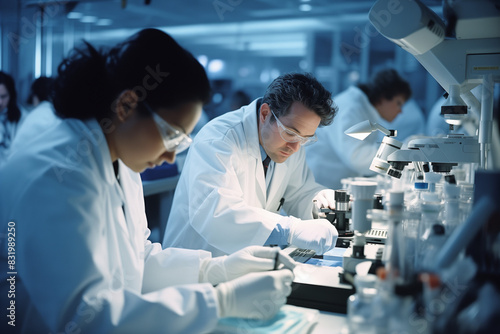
(73, 197)
(336, 155)
(10, 115)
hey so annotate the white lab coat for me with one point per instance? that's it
(336, 155)
(408, 123)
(82, 252)
(36, 122)
(8, 132)
(220, 203)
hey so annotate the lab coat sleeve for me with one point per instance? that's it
(356, 154)
(218, 209)
(64, 262)
(159, 262)
(301, 189)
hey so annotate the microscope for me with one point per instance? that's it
(458, 63)
(340, 216)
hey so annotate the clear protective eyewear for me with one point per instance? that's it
(173, 139)
(291, 136)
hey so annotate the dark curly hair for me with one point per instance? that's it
(303, 88)
(386, 84)
(151, 63)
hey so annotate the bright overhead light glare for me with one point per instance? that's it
(215, 65)
(74, 15)
(104, 22)
(305, 8)
(88, 19)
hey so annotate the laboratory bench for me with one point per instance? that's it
(319, 287)
(315, 290)
(315, 287)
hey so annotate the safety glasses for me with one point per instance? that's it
(173, 139)
(291, 136)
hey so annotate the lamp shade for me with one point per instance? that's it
(363, 129)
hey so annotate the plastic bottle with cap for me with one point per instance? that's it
(430, 217)
(394, 257)
(433, 179)
(412, 222)
(360, 304)
(419, 187)
(434, 238)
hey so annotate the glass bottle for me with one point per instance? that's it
(434, 240)
(430, 217)
(466, 199)
(360, 304)
(451, 197)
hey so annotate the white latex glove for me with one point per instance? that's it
(325, 199)
(316, 234)
(254, 296)
(247, 260)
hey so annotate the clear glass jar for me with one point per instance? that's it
(360, 305)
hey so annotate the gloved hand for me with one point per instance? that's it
(316, 234)
(325, 199)
(247, 260)
(254, 296)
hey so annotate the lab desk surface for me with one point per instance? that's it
(322, 322)
(330, 323)
(317, 294)
(324, 276)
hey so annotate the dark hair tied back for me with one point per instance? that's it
(82, 88)
(150, 63)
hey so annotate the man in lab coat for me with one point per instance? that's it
(225, 201)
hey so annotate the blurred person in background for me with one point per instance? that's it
(336, 155)
(41, 117)
(239, 99)
(10, 114)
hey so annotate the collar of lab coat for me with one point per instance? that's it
(251, 129)
(130, 188)
(252, 138)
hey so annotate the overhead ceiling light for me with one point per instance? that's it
(215, 65)
(104, 22)
(74, 15)
(88, 19)
(305, 8)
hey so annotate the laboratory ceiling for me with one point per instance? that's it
(140, 13)
(274, 27)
